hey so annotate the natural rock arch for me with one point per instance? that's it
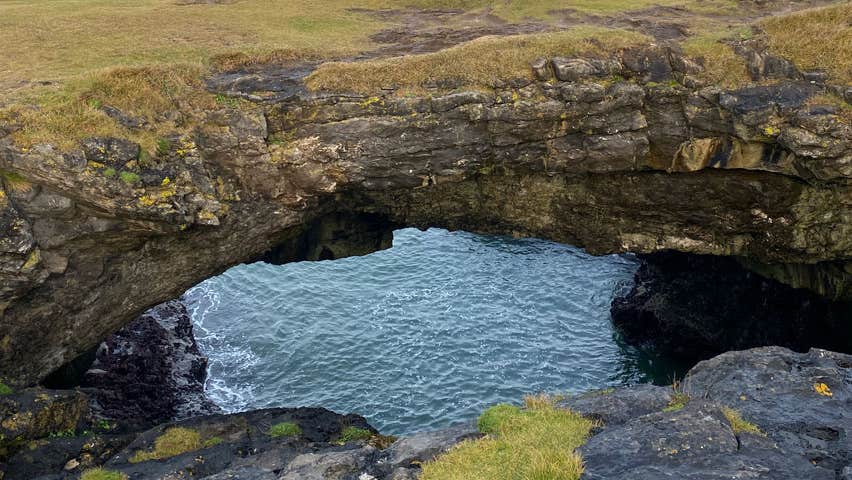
(619, 165)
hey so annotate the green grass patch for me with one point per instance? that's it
(102, 474)
(351, 434)
(531, 443)
(14, 181)
(478, 63)
(284, 429)
(678, 399)
(490, 420)
(738, 424)
(5, 389)
(174, 441)
(212, 442)
(129, 177)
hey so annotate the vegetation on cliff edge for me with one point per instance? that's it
(174, 441)
(536, 441)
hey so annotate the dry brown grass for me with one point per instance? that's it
(478, 63)
(819, 38)
(722, 66)
(67, 115)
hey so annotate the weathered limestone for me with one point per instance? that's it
(635, 162)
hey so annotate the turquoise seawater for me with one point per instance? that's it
(420, 336)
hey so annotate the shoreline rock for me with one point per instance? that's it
(763, 413)
(150, 371)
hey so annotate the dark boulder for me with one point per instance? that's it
(151, 371)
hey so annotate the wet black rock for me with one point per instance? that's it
(695, 306)
(151, 371)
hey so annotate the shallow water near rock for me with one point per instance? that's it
(420, 336)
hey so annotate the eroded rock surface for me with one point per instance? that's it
(628, 153)
(797, 406)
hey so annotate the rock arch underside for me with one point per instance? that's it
(627, 155)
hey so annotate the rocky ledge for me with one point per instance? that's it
(766, 413)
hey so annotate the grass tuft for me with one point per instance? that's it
(173, 442)
(284, 429)
(478, 63)
(14, 182)
(128, 177)
(678, 400)
(534, 443)
(491, 419)
(5, 389)
(351, 434)
(738, 425)
(102, 474)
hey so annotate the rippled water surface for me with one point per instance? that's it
(420, 336)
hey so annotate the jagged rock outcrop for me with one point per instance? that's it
(150, 372)
(629, 153)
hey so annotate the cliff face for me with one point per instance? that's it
(628, 154)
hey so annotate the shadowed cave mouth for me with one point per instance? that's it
(430, 332)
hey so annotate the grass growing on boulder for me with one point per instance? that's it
(102, 474)
(284, 429)
(819, 38)
(679, 398)
(478, 63)
(535, 442)
(351, 434)
(5, 389)
(738, 425)
(174, 441)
